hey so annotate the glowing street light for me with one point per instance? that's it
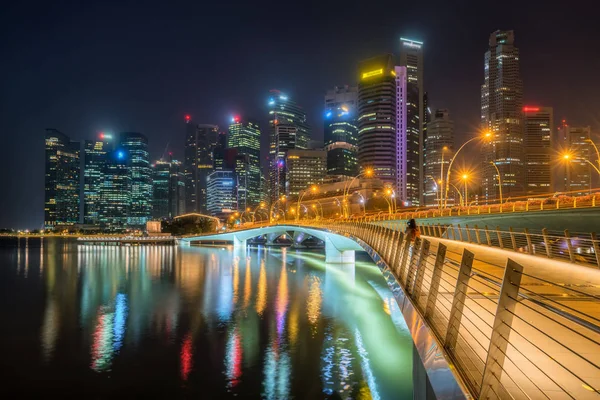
(313, 189)
(368, 172)
(465, 178)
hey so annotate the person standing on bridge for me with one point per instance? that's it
(412, 230)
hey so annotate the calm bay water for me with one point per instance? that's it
(197, 322)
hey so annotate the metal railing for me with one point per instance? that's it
(510, 333)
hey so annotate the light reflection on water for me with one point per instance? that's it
(272, 323)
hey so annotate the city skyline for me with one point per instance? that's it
(251, 101)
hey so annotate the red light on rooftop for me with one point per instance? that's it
(101, 135)
(531, 109)
(187, 117)
(170, 153)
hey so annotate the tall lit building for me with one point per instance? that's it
(439, 147)
(116, 191)
(501, 114)
(244, 137)
(95, 158)
(304, 169)
(221, 194)
(341, 132)
(411, 57)
(200, 142)
(135, 145)
(288, 129)
(578, 172)
(169, 189)
(538, 137)
(61, 182)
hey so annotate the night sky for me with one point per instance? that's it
(85, 67)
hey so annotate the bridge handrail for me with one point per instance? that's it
(506, 340)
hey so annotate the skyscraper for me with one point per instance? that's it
(95, 158)
(135, 145)
(200, 142)
(221, 194)
(539, 149)
(244, 137)
(116, 191)
(304, 169)
(341, 133)
(169, 189)
(439, 145)
(61, 183)
(411, 57)
(288, 130)
(501, 114)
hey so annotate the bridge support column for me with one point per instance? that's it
(237, 243)
(335, 256)
(183, 243)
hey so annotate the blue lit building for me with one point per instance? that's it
(135, 145)
(221, 193)
(341, 132)
(169, 189)
(116, 192)
(95, 159)
(61, 182)
(244, 137)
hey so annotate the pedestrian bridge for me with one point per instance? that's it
(489, 319)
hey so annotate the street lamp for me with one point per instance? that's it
(499, 179)
(460, 196)
(261, 205)
(313, 189)
(486, 135)
(465, 177)
(440, 194)
(368, 173)
(282, 199)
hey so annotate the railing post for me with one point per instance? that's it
(458, 303)
(529, 245)
(468, 233)
(507, 300)
(397, 252)
(569, 246)
(477, 235)
(499, 237)
(487, 236)
(547, 243)
(459, 232)
(596, 248)
(512, 238)
(435, 280)
(439, 231)
(390, 242)
(450, 229)
(418, 282)
(403, 265)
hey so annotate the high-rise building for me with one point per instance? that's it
(244, 137)
(538, 137)
(304, 169)
(96, 154)
(169, 189)
(135, 145)
(221, 194)
(501, 114)
(200, 143)
(341, 133)
(116, 191)
(288, 130)
(61, 183)
(377, 117)
(578, 171)
(411, 57)
(439, 147)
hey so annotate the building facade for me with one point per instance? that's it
(95, 158)
(501, 115)
(439, 145)
(577, 169)
(116, 192)
(200, 143)
(244, 137)
(411, 57)
(288, 130)
(61, 180)
(538, 137)
(341, 132)
(304, 169)
(135, 146)
(221, 194)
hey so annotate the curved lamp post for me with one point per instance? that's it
(312, 189)
(499, 179)
(368, 173)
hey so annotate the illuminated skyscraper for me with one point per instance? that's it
(169, 189)
(440, 147)
(539, 149)
(116, 191)
(578, 172)
(200, 142)
(304, 169)
(221, 194)
(411, 57)
(244, 137)
(501, 114)
(135, 145)
(341, 133)
(61, 183)
(288, 130)
(95, 158)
